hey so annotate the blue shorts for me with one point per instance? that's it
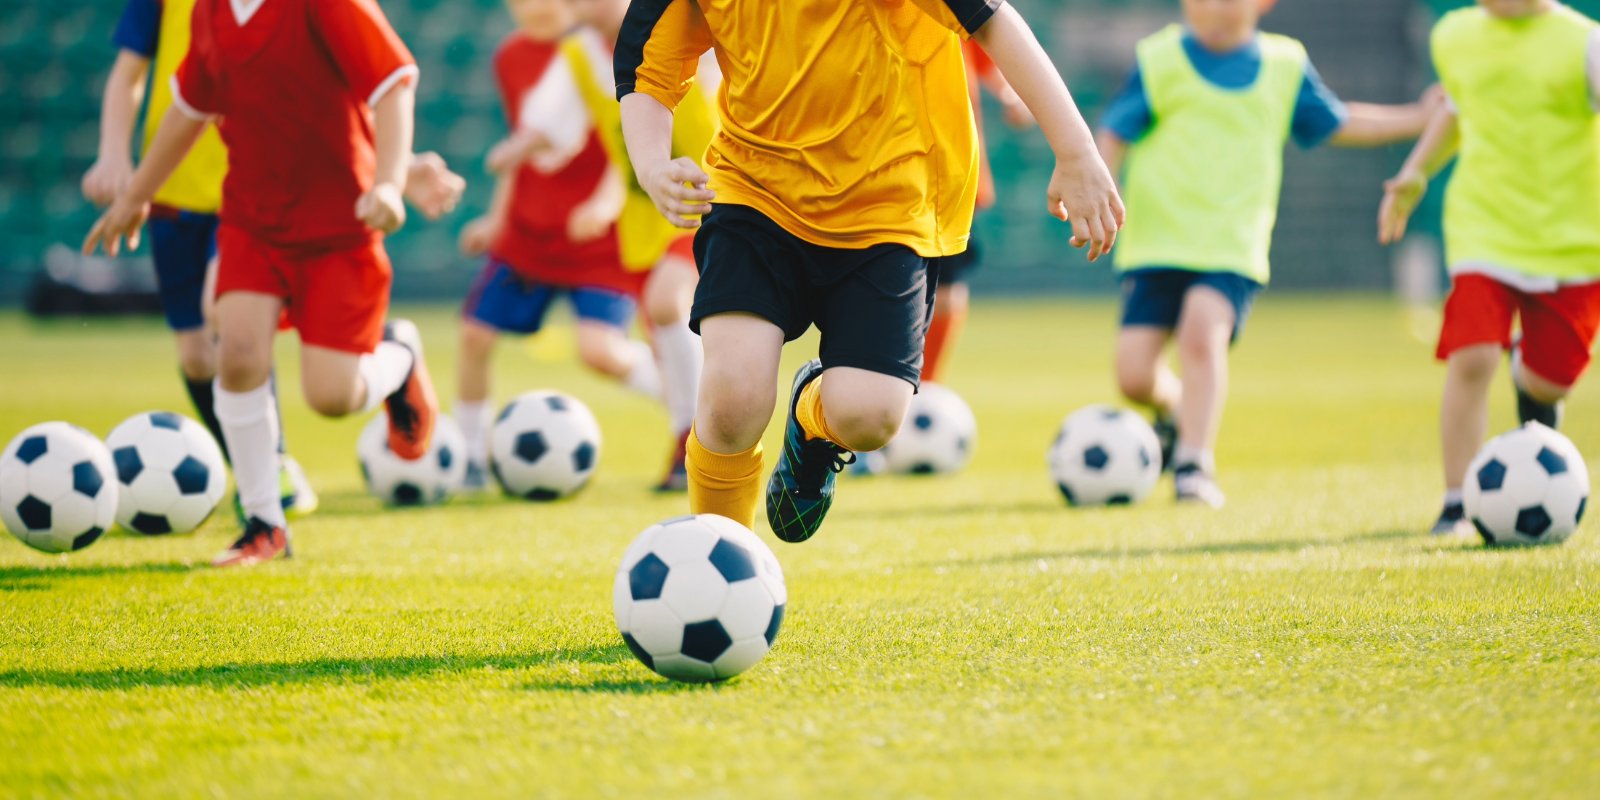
(506, 301)
(182, 244)
(1153, 296)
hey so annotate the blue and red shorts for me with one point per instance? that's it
(507, 301)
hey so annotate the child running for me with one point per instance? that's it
(846, 161)
(1203, 120)
(1522, 214)
(313, 99)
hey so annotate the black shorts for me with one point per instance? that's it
(959, 267)
(1153, 296)
(872, 305)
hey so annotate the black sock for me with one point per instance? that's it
(205, 403)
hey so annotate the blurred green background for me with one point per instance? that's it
(54, 57)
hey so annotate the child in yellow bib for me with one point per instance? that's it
(1522, 214)
(1202, 124)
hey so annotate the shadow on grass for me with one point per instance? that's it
(33, 579)
(1178, 551)
(967, 510)
(354, 670)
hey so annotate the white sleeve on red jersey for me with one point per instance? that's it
(555, 109)
(183, 105)
(364, 47)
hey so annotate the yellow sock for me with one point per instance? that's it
(809, 412)
(729, 486)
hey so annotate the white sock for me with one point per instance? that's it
(251, 428)
(385, 370)
(1204, 459)
(644, 378)
(1452, 497)
(475, 422)
(682, 359)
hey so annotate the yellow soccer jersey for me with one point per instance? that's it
(159, 30)
(846, 123)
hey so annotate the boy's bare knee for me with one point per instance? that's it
(1476, 364)
(1137, 385)
(477, 341)
(331, 401)
(1202, 345)
(243, 365)
(197, 355)
(865, 428)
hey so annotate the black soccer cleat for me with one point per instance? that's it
(1529, 409)
(1166, 429)
(801, 488)
(1452, 521)
(1194, 486)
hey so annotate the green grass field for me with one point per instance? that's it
(946, 637)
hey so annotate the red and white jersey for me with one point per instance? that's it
(539, 94)
(291, 84)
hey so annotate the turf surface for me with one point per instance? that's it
(964, 636)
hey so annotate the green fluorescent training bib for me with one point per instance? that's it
(1202, 186)
(1526, 191)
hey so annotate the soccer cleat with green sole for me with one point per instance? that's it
(800, 491)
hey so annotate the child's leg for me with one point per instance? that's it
(1142, 371)
(473, 413)
(668, 295)
(1205, 329)
(737, 394)
(1464, 413)
(606, 349)
(949, 317)
(246, 326)
(864, 409)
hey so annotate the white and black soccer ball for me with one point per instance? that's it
(58, 489)
(939, 434)
(1526, 486)
(433, 478)
(545, 445)
(699, 598)
(170, 473)
(1105, 456)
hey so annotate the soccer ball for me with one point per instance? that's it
(1105, 456)
(699, 598)
(430, 479)
(939, 434)
(170, 473)
(1527, 486)
(545, 445)
(58, 489)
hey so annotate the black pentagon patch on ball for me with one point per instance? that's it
(923, 468)
(166, 419)
(705, 641)
(35, 513)
(86, 478)
(556, 402)
(192, 475)
(583, 457)
(150, 524)
(1119, 500)
(675, 520)
(531, 446)
(922, 421)
(1533, 522)
(1096, 458)
(128, 462)
(1144, 458)
(733, 561)
(406, 494)
(31, 448)
(774, 624)
(961, 445)
(541, 495)
(445, 458)
(506, 412)
(87, 538)
(647, 577)
(638, 651)
(1583, 503)
(1552, 462)
(1483, 530)
(366, 474)
(1066, 491)
(1491, 476)
(1111, 414)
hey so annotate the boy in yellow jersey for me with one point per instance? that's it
(1203, 121)
(1522, 214)
(846, 162)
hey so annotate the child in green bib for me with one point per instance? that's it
(1202, 123)
(1522, 214)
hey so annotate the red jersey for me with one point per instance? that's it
(534, 241)
(290, 84)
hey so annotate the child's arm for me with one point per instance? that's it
(479, 234)
(431, 186)
(1372, 125)
(178, 132)
(647, 129)
(1112, 151)
(1404, 191)
(594, 216)
(1081, 189)
(124, 93)
(383, 207)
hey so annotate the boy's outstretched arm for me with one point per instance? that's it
(478, 235)
(113, 168)
(177, 133)
(1081, 189)
(647, 130)
(383, 207)
(1372, 125)
(1404, 191)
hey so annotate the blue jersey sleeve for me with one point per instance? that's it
(1128, 116)
(1318, 112)
(139, 29)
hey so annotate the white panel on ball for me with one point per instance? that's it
(545, 445)
(58, 488)
(1105, 456)
(1527, 486)
(170, 473)
(939, 434)
(433, 478)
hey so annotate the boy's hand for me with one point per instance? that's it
(106, 179)
(1401, 195)
(382, 208)
(432, 187)
(666, 187)
(1082, 193)
(1433, 98)
(591, 219)
(512, 151)
(123, 219)
(478, 235)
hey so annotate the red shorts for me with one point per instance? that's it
(336, 299)
(1558, 328)
(682, 247)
